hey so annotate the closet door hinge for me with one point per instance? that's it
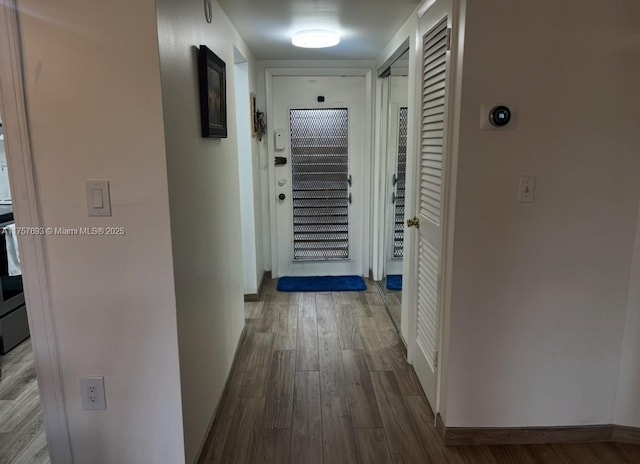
(449, 39)
(435, 359)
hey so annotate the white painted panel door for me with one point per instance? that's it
(319, 194)
(432, 149)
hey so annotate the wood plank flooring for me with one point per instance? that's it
(321, 378)
(394, 303)
(22, 436)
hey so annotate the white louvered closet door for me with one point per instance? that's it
(431, 164)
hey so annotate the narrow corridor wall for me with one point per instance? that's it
(204, 200)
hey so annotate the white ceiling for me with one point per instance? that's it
(365, 26)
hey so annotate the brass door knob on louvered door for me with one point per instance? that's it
(415, 222)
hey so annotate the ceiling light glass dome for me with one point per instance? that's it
(315, 38)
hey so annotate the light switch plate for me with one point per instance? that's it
(527, 189)
(98, 198)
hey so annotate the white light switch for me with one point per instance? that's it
(527, 189)
(98, 198)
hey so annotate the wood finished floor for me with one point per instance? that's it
(22, 436)
(392, 300)
(321, 378)
(394, 305)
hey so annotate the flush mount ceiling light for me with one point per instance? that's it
(315, 38)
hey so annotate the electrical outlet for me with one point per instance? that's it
(527, 189)
(92, 393)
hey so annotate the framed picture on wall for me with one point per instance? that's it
(213, 94)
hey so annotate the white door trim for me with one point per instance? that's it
(457, 25)
(379, 194)
(367, 73)
(32, 247)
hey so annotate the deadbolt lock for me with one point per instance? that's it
(415, 222)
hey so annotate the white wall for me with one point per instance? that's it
(205, 211)
(261, 243)
(540, 291)
(250, 276)
(628, 400)
(94, 107)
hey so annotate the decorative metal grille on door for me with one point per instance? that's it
(320, 183)
(401, 171)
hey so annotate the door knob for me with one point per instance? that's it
(415, 222)
(282, 196)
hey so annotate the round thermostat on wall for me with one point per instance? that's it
(499, 116)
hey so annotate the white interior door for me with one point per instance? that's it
(430, 191)
(319, 132)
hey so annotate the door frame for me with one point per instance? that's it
(456, 21)
(367, 164)
(32, 247)
(378, 258)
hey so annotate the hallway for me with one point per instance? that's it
(321, 378)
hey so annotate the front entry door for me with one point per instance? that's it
(319, 148)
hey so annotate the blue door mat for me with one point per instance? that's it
(394, 282)
(322, 284)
